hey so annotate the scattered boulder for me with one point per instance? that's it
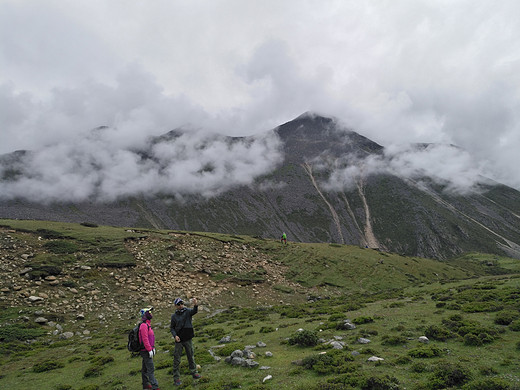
(67, 335)
(337, 344)
(237, 353)
(374, 359)
(237, 361)
(363, 340)
(41, 320)
(346, 325)
(243, 358)
(424, 340)
(33, 298)
(225, 340)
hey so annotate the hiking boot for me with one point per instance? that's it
(177, 382)
(196, 376)
(147, 387)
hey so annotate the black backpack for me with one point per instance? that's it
(133, 339)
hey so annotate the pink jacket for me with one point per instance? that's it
(146, 336)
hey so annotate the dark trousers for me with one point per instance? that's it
(147, 371)
(177, 353)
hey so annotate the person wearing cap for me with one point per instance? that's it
(147, 340)
(181, 329)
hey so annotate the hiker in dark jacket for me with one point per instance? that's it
(181, 329)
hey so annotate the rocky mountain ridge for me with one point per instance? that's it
(412, 216)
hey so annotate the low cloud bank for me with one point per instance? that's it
(92, 169)
(446, 165)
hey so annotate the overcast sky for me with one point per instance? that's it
(395, 71)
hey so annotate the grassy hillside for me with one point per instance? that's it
(92, 280)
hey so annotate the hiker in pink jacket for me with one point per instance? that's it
(147, 340)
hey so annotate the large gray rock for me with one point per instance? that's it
(250, 363)
(237, 353)
(237, 361)
(225, 340)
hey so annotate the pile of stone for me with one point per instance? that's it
(245, 357)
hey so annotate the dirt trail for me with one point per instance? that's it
(335, 217)
(353, 216)
(370, 237)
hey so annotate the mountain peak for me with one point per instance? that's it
(312, 134)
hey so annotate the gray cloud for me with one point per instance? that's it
(396, 72)
(91, 168)
(446, 165)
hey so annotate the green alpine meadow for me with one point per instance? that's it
(314, 316)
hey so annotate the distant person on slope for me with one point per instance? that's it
(283, 240)
(181, 329)
(147, 339)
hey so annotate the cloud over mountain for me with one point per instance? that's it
(92, 169)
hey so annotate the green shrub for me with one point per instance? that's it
(362, 320)
(481, 307)
(403, 360)
(96, 366)
(69, 283)
(336, 317)
(223, 384)
(214, 333)
(49, 234)
(419, 367)
(61, 247)
(342, 381)
(438, 333)
(10, 333)
(292, 311)
(425, 352)
(333, 362)
(487, 384)
(304, 338)
(63, 387)
(380, 383)
(393, 340)
(449, 375)
(46, 264)
(515, 326)
(266, 329)
(228, 349)
(101, 360)
(88, 224)
(506, 317)
(89, 387)
(47, 366)
(471, 339)
(93, 371)
(486, 371)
